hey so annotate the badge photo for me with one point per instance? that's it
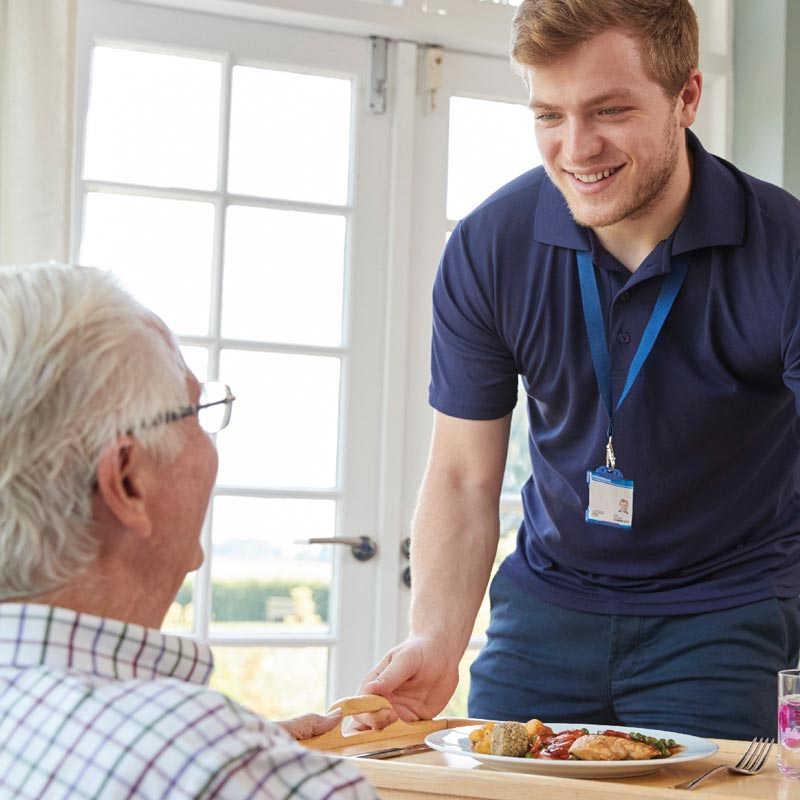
(610, 498)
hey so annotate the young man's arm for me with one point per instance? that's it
(453, 545)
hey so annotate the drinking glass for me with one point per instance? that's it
(789, 722)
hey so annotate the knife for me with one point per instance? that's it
(393, 752)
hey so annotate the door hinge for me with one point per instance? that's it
(378, 74)
(432, 75)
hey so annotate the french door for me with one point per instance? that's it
(230, 174)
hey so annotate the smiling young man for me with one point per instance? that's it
(647, 294)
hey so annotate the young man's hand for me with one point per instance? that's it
(416, 677)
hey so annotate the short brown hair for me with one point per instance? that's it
(546, 30)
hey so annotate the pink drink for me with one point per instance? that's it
(789, 735)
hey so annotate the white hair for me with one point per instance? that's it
(81, 362)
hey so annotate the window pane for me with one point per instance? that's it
(278, 682)
(262, 580)
(161, 250)
(509, 525)
(283, 276)
(490, 143)
(290, 135)
(180, 617)
(153, 119)
(457, 706)
(518, 462)
(196, 359)
(284, 429)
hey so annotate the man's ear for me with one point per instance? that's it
(689, 98)
(122, 483)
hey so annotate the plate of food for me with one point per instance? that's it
(570, 749)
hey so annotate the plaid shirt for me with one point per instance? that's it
(97, 708)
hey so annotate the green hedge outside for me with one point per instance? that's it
(246, 601)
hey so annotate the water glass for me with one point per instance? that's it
(789, 722)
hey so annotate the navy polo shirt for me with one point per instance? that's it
(709, 432)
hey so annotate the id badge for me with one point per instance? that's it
(610, 498)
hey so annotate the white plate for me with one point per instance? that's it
(456, 741)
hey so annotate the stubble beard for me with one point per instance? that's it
(640, 199)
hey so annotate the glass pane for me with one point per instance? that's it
(290, 135)
(490, 143)
(180, 617)
(196, 359)
(518, 462)
(283, 276)
(262, 580)
(278, 682)
(509, 525)
(153, 119)
(161, 250)
(457, 707)
(284, 429)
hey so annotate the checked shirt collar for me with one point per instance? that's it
(36, 635)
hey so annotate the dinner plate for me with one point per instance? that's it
(456, 741)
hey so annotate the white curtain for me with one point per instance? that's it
(37, 55)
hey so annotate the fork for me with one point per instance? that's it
(750, 763)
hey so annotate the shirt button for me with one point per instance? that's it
(624, 297)
(624, 337)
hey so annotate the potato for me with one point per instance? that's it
(536, 727)
(481, 738)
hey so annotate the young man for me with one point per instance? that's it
(648, 294)
(106, 473)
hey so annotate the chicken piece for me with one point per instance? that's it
(598, 747)
(510, 739)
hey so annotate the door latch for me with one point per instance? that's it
(362, 547)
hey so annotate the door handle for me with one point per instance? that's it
(362, 547)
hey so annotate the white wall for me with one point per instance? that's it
(766, 69)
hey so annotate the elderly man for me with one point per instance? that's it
(106, 471)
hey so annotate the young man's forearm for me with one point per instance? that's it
(454, 542)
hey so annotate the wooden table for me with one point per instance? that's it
(434, 775)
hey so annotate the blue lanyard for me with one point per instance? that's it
(597, 333)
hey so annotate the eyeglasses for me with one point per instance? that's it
(213, 411)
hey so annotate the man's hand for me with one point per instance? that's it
(417, 677)
(307, 725)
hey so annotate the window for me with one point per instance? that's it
(221, 185)
(266, 316)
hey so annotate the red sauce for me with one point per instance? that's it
(555, 746)
(619, 734)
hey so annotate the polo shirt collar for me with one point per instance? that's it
(715, 215)
(554, 223)
(716, 212)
